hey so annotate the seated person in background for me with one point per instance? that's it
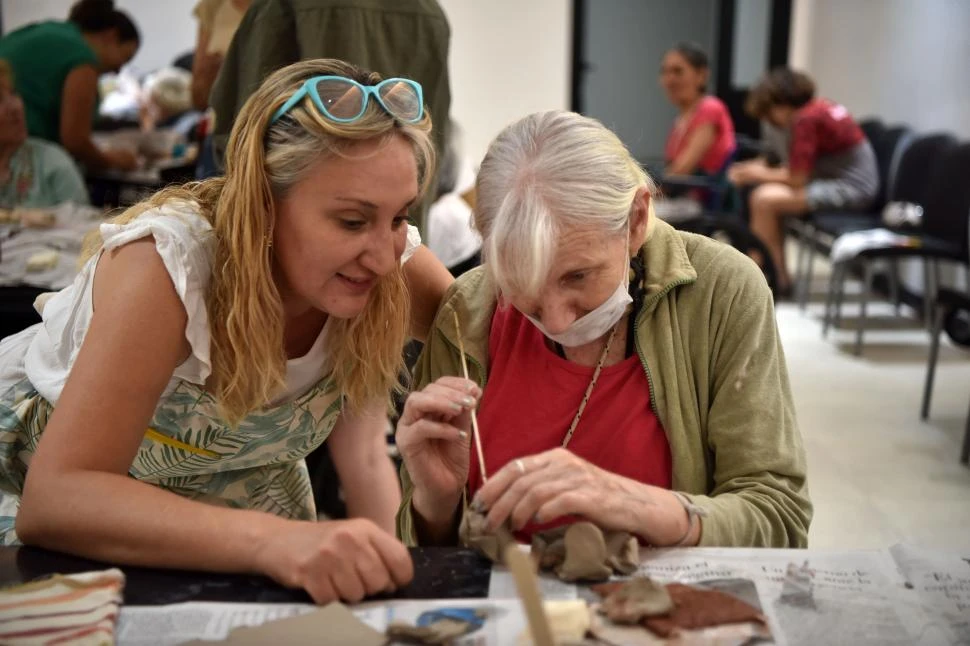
(166, 101)
(56, 66)
(702, 139)
(33, 173)
(243, 321)
(619, 379)
(830, 165)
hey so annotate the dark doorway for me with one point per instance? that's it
(618, 46)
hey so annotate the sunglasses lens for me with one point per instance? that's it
(342, 99)
(401, 99)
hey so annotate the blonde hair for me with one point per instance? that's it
(263, 162)
(545, 174)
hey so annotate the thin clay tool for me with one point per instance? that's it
(475, 433)
(527, 585)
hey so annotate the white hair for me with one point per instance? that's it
(171, 89)
(545, 174)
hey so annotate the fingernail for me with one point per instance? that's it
(462, 435)
(468, 401)
(477, 505)
(470, 388)
(455, 407)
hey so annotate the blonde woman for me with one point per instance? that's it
(160, 414)
(627, 373)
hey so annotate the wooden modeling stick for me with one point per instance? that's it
(527, 585)
(477, 436)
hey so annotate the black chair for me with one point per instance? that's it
(949, 306)
(819, 230)
(933, 173)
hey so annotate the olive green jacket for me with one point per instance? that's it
(708, 342)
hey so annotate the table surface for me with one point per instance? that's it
(439, 573)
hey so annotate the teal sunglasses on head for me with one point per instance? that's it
(344, 100)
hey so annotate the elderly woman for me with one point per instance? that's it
(221, 331)
(625, 372)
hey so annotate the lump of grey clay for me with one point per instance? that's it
(549, 548)
(621, 552)
(624, 552)
(472, 534)
(586, 554)
(578, 552)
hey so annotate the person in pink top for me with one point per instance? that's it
(702, 139)
(831, 164)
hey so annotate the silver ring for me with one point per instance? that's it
(520, 465)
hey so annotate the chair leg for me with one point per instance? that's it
(965, 451)
(866, 282)
(830, 299)
(931, 364)
(806, 287)
(839, 297)
(801, 236)
(931, 278)
(894, 284)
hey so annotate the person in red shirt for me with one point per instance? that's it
(831, 165)
(702, 139)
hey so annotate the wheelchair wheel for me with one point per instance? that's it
(957, 326)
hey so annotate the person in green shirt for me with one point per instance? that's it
(56, 66)
(577, 265)
(33, 173)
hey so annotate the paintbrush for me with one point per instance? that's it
(476, 435)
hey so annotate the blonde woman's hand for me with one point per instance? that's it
(341, 560)
(434, 435)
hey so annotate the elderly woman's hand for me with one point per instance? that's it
(433, 436)
(557, 483)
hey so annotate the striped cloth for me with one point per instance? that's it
(79, 609)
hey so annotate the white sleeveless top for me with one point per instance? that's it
(187, 448)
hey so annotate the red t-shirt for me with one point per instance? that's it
(532, 395)
(710, 110)
(820, 128)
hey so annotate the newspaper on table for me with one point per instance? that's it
(903, 595)
(179, 623)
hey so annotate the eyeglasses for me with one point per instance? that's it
(344, 100)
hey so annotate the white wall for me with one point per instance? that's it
(508, 58)
(902, 60)
(167, 26)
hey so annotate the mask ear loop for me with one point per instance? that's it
(637, 287)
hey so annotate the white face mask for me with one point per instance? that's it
(595, 324)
